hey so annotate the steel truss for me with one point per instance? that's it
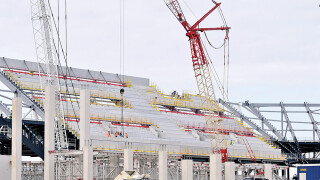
(272, 121)
(107, 165)
(32, 170)
(27, 100)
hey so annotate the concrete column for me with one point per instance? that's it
(215, 167)
(229, 171)
(163, 165)
(16, 138)
(268, 171)
(283, 174)
(128, 159)
(187, 169)
(50, 111)
(85, 139)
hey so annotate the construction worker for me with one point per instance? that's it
(116, 135)
(231, 142)
(108, 134)
(127, 135)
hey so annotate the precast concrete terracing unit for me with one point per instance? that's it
(151, 119)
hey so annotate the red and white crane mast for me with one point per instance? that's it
(201, 67)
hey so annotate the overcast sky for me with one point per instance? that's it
(274, 45)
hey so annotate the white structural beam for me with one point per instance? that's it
(25, 98)
(314, 123)
(229, 171)
(215, 167)
(163, 165)
(49, 108)
(187, 169)
(268, 171)
(244, 118)
(128, 159)
(264, 120)
(5, 109)
(85, 139)
(16, 138)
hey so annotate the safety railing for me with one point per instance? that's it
(178, 148)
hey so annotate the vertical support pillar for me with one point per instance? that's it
(85, 139)
(215, 167)
(187, 169)
(283, 174)
(282, 132)
(163, 165)
(49, 127)
(128, 159)
(16, 138)
(268, 171)
(229, 171)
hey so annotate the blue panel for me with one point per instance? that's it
(313, 172)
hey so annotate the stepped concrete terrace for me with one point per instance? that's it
(150, 118)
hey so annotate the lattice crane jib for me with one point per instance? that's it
(203, 75)
(48, 62)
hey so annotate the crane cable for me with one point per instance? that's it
(65, 55)
(122, 38)
(122, 57)
(226, 62)
(214, 71)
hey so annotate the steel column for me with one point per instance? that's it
(314, 123)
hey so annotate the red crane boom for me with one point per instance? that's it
(203, 76)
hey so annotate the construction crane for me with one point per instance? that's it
(201, 67)
(48, 62)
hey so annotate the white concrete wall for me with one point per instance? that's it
(268, 171)
(187, 169)
(163, 165)
(215, 167)
(5, 167)
(229, 171)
